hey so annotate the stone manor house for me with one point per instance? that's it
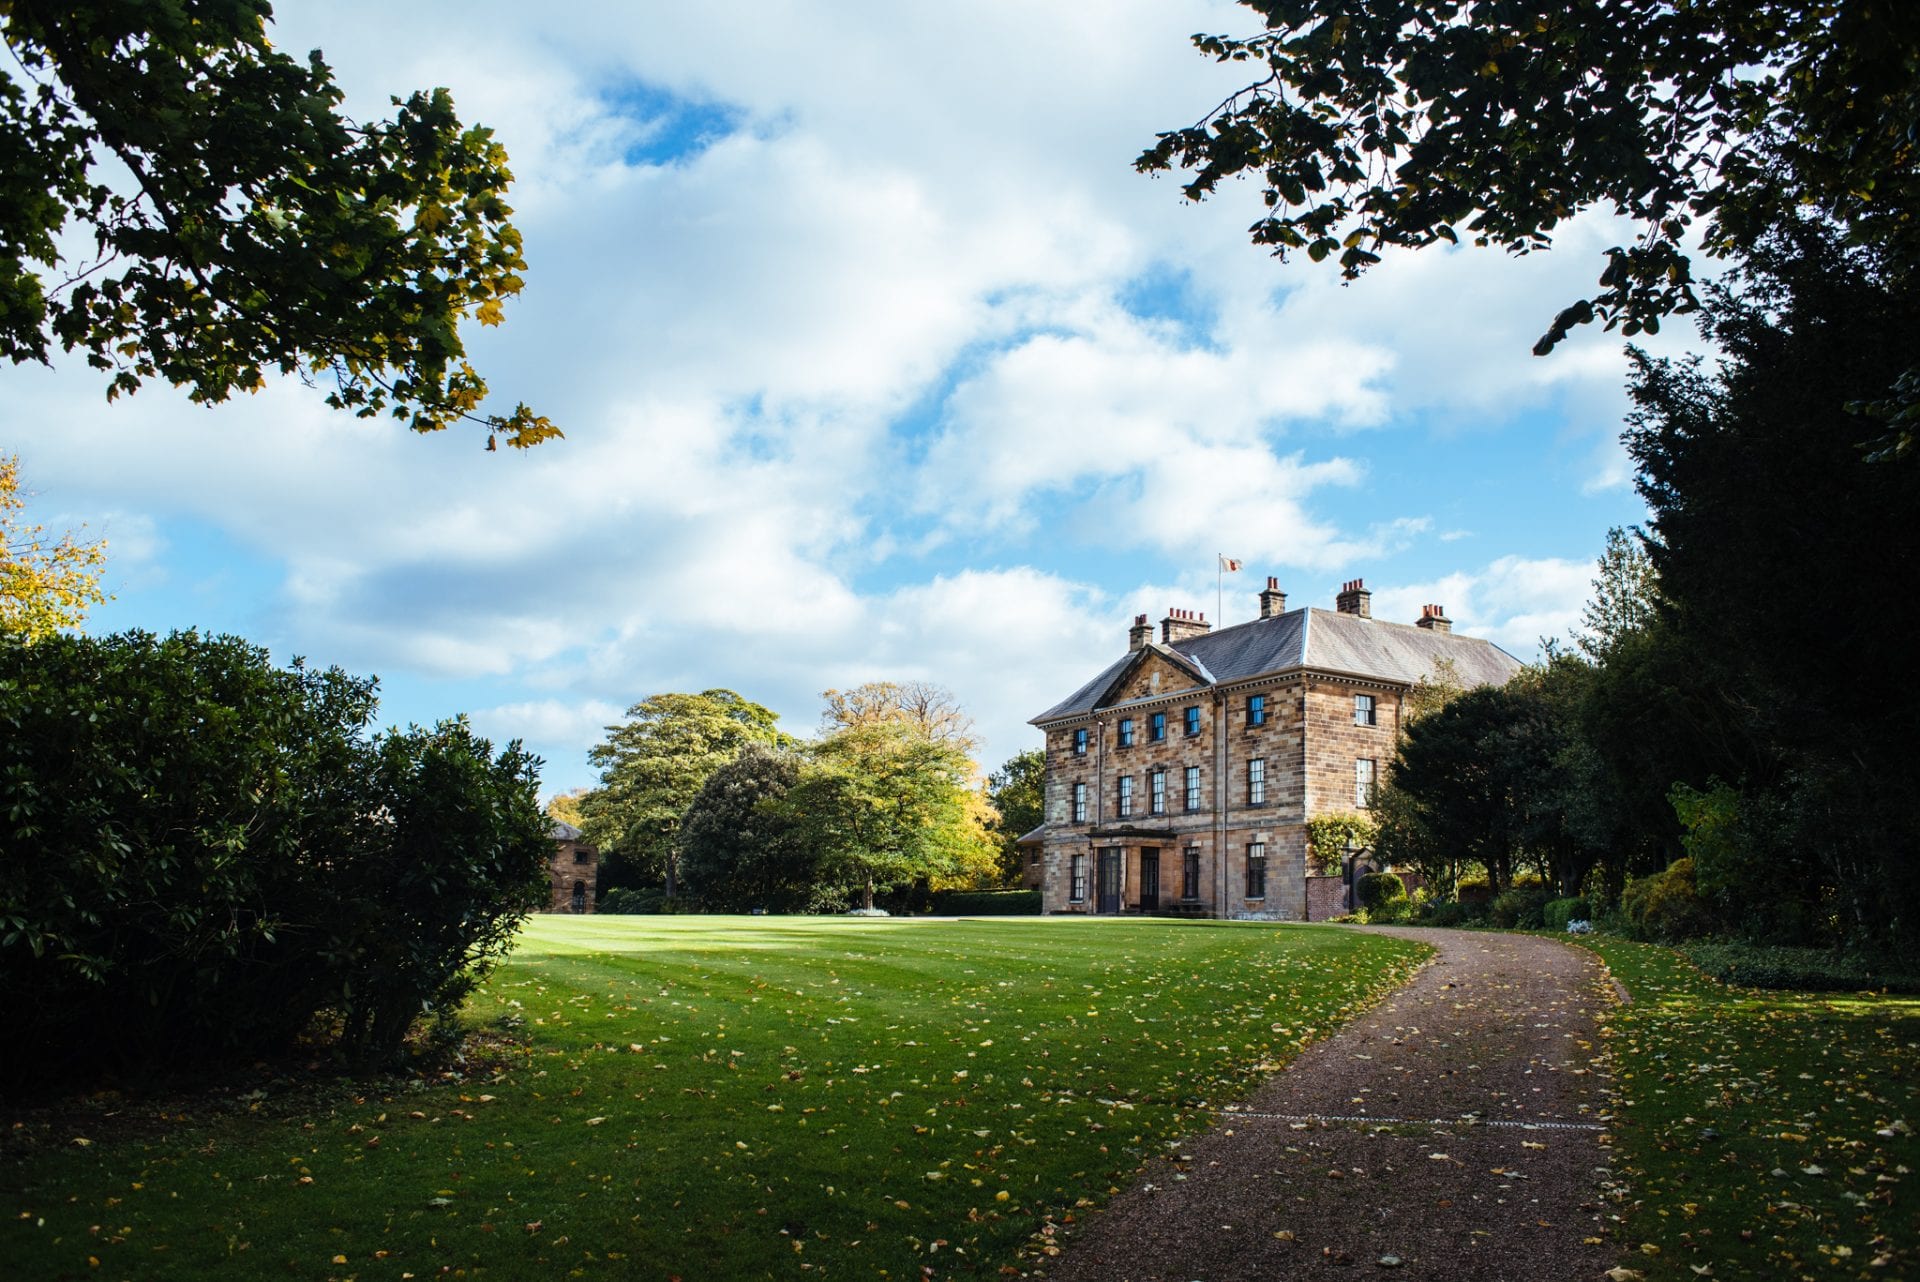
(1182, 776)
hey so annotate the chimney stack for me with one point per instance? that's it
(1140, 633)
(1181, 624)
(1434, 619)
(1272, 601)
(1355, 599)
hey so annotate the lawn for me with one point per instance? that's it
(726, 1098)
(1763, 1134)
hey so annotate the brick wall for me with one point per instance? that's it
(573, 862)
(1326, 898)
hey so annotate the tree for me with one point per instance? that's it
(1017, 792)
(1623, 595)
(652, 766)
(1489, 779)
(1423, 121)
(1433, 691)
(565, 807)
(929, 710)
(884, 806)
(240, 222)
(43, 586)
(742, 849)
(1786, 584)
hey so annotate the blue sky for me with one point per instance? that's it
(876, 360)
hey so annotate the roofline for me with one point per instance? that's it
(1258, 678)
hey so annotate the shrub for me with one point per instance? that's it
(1390, 911)
(1446, 912)
(1376, 888)
(986, 903)
(1558, 912)
(1665, 906)
(1474, 894)
(452, 857)
(1521, 904)
(627, 901)
(199, 852)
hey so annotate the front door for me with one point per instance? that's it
(1149, 878)
(1109, 897)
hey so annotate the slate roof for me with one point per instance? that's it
(1322, 640)
(563, 831)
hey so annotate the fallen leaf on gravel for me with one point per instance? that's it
(1438, 1157)
(1530, 1144)
(1389, 1261)
(1285, 1235)
(1624, 1275)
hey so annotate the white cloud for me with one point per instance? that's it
(838, 384)
(1514, 601)
(543, 722)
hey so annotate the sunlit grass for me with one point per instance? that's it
(733, 1098)
(1764, 1134)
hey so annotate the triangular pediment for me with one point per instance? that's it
(1154, 670)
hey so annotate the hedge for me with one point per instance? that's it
(986, 903)
(1806, 969)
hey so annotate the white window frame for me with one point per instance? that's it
(1256, 781)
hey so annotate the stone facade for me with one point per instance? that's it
(573, 870)
(1181, 778)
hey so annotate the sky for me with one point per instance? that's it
(876, 361)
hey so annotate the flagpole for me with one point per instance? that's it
(1219, 589)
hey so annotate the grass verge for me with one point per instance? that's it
(1762, 1134)
(729, 1097)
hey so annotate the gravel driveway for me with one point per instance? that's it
(1452, 1132)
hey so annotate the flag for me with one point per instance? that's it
(1230, 565)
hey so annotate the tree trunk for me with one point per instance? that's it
(866, 900)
